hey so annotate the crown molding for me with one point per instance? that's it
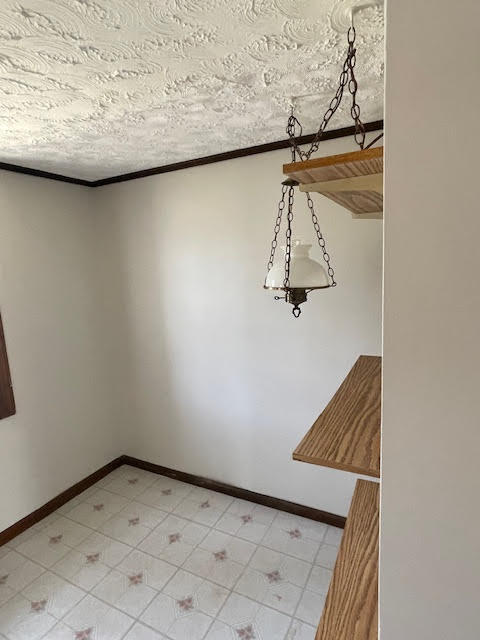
(343, 132)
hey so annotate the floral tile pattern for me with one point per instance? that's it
(144, 557)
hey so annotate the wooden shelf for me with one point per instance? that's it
(353, 180)
(346, 435)
(350, 611)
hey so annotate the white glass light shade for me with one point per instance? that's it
(305, 273)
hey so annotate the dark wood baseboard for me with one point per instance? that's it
(259, 498)
(237, 492)
(55, 503)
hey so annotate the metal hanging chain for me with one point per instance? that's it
(352, 87)
(347, 77)
(276, 229)
(321, 241)
(288, 235)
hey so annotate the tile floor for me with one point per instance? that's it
(144, 557)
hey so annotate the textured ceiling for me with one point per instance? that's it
(95, 88)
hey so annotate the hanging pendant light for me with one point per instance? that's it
(298, 274)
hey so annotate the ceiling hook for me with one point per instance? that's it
(343, 15)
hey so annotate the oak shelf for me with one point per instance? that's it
(346, 435)
(350, 611)
(353, 180)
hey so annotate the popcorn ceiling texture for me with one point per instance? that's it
(94, 88)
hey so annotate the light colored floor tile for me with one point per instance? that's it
(130, 485)
(236, 549)
(16, 572)
(174, 539)
(92, 619)
(270, 589)
(333, 536)
(196, 592)
(269, 561)
(292, 542)
(326, 556)
(68, 532)
(126, 529)
(149, 517)
(44, 549)
(83, 569)
(215, 499)
(308, 528)
(244, 618)
(108, 501)
(310, 607)
(126, 592)
(201, 512)
(89, 515)
(140, 632)
(68, 506)
(258, 512)
(45, 522)
(165, 494)
(110, 551)
(301, 631)
(189, 562)
(155, 573)
(180, 620)
(18, 621)
(274, 579)
(214, 566)
(242, 526)
(319, 580)
(52, 594)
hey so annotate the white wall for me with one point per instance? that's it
(55, 331)
(430, 543)
(220, 380)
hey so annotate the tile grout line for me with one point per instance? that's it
(211, 528)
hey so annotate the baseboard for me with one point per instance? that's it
(62, 498)
(259, 498)
(237, 492)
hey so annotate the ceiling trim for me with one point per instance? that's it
(343, 132)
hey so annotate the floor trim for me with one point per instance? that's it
(244, 494)
(55, 503)
(342, 132)
(259, 498)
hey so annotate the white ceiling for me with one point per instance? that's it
(95, 88)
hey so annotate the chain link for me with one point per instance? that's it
(346, 78)
(276, 229)
(321, 241)
(288, 235)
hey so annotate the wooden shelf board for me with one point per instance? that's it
(313, 175)
(346, 435)
(351, 607)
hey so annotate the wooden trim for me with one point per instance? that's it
(237, 153)
(343, 132)
(38, 173)
(54, 504)
(341, 158)
(237, 492)
(7, 399)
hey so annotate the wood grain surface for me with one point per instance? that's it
(346, 435)
(351, 607)
(344, 165)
